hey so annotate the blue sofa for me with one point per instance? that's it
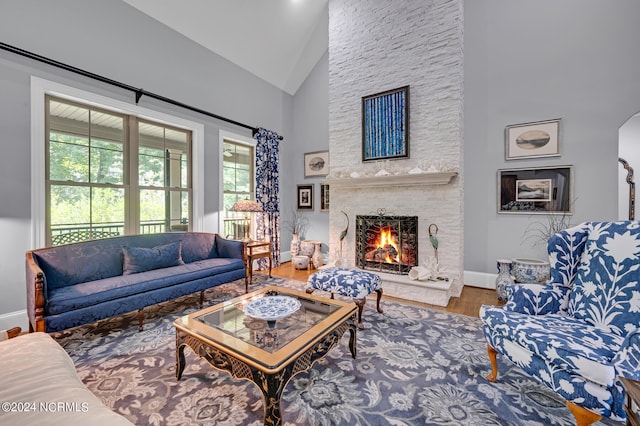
(79, 283)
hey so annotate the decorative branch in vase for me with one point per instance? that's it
(538, 232)
(297, 224)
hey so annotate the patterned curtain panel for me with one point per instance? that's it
(268, 192)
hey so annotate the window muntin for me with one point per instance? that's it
(238, 172)
(94, 191)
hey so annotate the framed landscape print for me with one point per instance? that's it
(545, 190)
(533, 190)
(305, 197)
(533, 140)
(385, 125)
(316, 163)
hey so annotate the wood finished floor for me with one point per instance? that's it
(468, 303)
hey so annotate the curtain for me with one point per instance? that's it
(268, 192)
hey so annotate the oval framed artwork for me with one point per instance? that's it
(533, 140)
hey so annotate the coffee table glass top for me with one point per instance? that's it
(228, 324)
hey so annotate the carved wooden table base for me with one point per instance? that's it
(271, 384)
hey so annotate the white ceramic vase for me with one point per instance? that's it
(294, 248)
(318, 257)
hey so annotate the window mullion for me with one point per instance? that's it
(132, 201)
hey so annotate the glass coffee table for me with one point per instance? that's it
(267, 337)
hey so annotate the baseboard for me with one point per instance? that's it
(14, 319)
(480, 279)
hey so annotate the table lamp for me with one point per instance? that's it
(246, 206)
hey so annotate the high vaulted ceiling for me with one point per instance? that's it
(279, 41)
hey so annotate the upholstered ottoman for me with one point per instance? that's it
(348, 282)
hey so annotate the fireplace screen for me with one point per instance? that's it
(387, 243)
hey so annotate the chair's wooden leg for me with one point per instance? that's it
(14, 332)
(201, 298)
(140, 319)
(378, 300)
(360, 304)
(583, 416)
(493, 358)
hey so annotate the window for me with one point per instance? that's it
(238, 173)
(111, 174)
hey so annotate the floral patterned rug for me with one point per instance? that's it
(414, 366)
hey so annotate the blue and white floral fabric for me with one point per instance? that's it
(581, 331)
(348, 282)
(268, 192)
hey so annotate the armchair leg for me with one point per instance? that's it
(583, 416)
(493, 358)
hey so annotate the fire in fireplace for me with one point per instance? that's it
(387, 243)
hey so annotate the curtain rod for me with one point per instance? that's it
(138, 92)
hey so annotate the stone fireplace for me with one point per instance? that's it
(414, 45)
(387, 243)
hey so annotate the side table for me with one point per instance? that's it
(256, 250)
(632, 388)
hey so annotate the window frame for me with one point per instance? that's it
(41, 87)
(242, 140)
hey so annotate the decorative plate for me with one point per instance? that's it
(271, 308)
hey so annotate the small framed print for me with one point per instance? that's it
(533, 190)
(305, 197)
(316, 163)
(533, 140)
(324, 197)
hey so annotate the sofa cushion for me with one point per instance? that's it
(567, 343)
(86, 261)
(37, 371)
(606, 293)
(140, 259)
(91, 293)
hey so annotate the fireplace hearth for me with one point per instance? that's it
(387, 243)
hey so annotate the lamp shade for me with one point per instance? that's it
(246, 206)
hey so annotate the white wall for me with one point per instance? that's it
(527, 61)
(119, 42)
(310, 121)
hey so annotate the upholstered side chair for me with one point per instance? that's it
(580, 332)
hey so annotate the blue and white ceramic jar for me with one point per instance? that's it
(503, 279)
(530, 271)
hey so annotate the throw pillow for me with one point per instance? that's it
(606, 293)
(140, 259)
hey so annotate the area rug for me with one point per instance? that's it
(414, 366)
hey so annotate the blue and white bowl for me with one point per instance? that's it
(272, 308)
(530, 271)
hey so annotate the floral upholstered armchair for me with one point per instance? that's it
(580, 332)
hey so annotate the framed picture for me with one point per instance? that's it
(533, 140)
(533, 190)
(305, 197)
(316, 163)
(385, 125)
(324, 197)
(544, 190)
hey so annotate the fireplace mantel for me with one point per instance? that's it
(418, 179)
